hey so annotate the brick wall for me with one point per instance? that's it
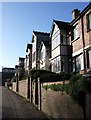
(77, 44)
(87, 34)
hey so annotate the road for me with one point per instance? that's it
(15, 106)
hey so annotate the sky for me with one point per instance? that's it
(19, 19)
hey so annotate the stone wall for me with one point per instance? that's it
(23, 88)
(59, 105)
(14, 86)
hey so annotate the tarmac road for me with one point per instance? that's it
(15, 106)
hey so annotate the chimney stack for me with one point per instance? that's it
(75, 13)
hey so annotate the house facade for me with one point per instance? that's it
(28, 59)
(21, 66)
(37, 38)
(80, 37)
(45, 54)
(60, 47)
(66, 48)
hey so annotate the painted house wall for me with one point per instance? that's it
(44, 59)
(34, 52)
(60, 50)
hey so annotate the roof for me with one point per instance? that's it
(7, 68)
(41, 33)
(88, 7)
(61, 25)
(46, 43)
(21, 58)
(29, 46)
(16, 66)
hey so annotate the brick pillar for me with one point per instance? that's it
(17, 83)
(36, 92)
(31, 90)
(28, 88)
(39, 94)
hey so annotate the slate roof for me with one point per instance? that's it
(29, 46)
(61, 24)
(21, 58)
(46, 43)
(41, 33)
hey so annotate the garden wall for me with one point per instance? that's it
(14, 86)
(23, 84)
(59, 105)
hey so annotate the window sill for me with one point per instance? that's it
(75, 39)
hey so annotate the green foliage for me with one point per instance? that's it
(48, 76)
(77, 87)
(13, 79)
(89, 71)
(24, 77)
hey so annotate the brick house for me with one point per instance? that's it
(60, 47)
(80, 37)
(37, 37)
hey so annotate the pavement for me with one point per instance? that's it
(15, 106)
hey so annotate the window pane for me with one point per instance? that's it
(89, 21)
(76, 35)
(90, 59)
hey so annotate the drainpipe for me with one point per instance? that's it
(83, 44)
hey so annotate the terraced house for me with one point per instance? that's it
(45, 54)
(37, 38)
(28, 59)
(66, 48)
(80, 37)
(61, 47)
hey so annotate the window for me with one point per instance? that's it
(89, 21)
(64, 63)
(33, 56)
(55, 40)
(78, 63)
(89, 59)
(75, 32)
(63, 39)
(42, 54)
(56, 65)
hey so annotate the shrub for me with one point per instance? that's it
(77, 87)
(89, 71)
